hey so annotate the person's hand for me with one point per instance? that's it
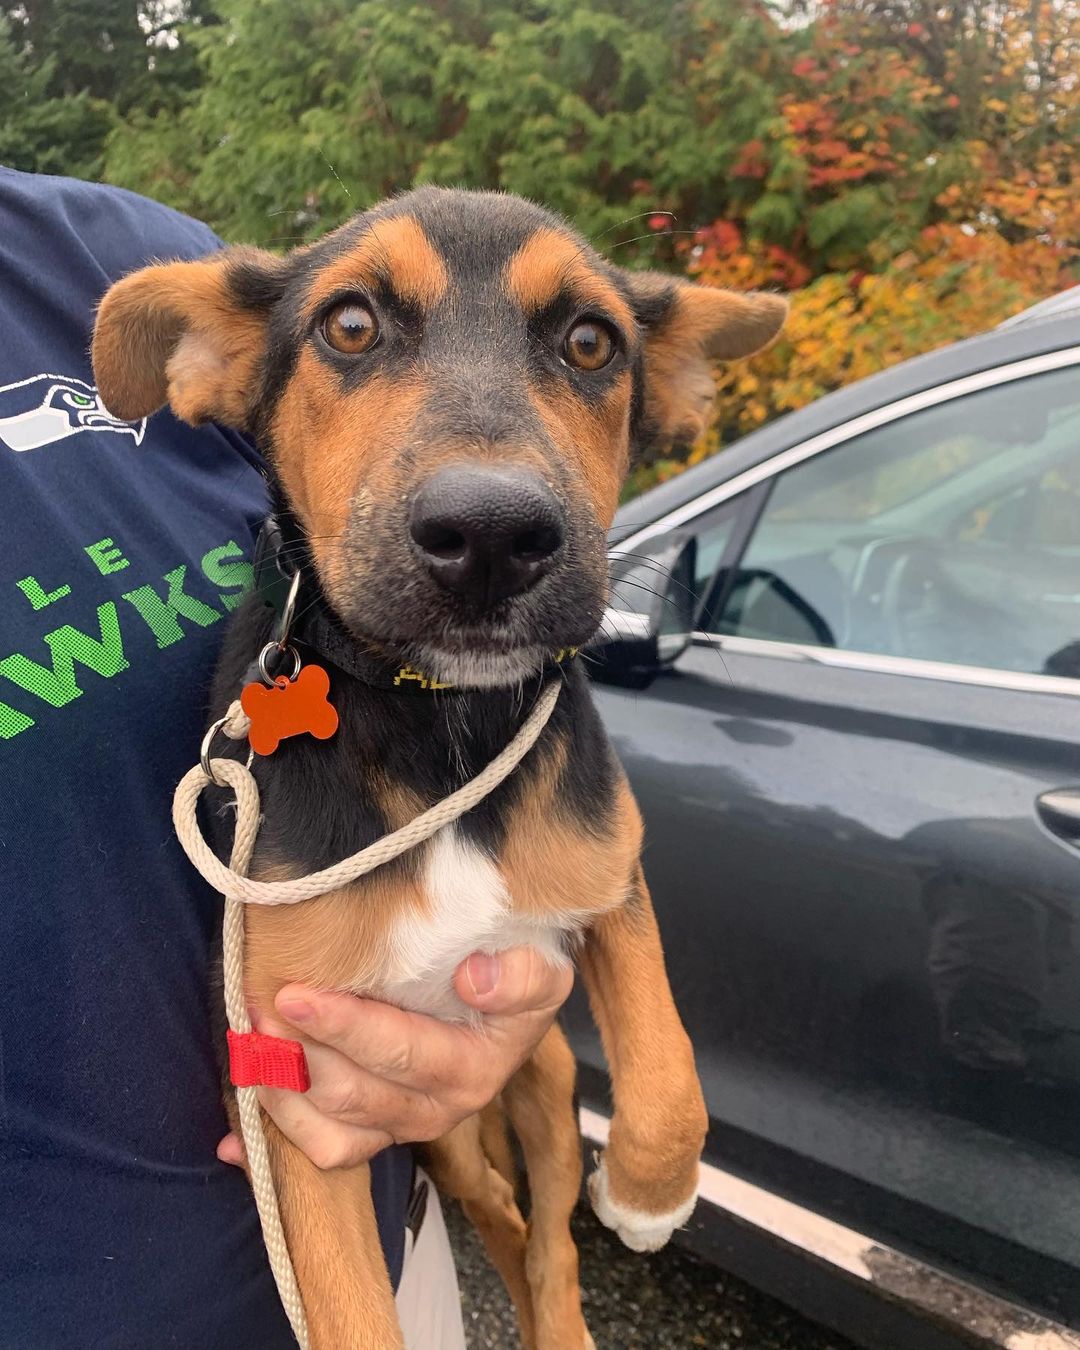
(381, 1076)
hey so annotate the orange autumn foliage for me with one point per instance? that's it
(918, 183)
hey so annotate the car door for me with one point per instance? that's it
(861, 787)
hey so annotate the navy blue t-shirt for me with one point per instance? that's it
(123, 547)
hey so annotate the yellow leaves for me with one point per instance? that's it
(703, 447)
(757, 411)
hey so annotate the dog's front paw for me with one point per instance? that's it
(641, 1230)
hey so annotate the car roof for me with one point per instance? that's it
(1064, 302)
(1001, 346)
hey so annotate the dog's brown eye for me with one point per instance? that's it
(350, 328)
(589, 345)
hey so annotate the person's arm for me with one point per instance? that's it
(381, 1076)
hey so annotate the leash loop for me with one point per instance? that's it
(235, 724)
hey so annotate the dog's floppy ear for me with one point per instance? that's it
(686, 327)
(192, 334)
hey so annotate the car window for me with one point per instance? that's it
(713, 533)
(952, 534)
(641, 571)
(1044, 508)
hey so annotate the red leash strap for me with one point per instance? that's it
(258, 1060)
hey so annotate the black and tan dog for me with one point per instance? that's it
(449, 389)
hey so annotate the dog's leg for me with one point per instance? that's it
(644, 1186)
(496, 1142)
(540, 1102)
(461, 1170)
(329, 1224)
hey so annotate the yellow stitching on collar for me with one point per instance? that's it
(425, 681)
(428, 682)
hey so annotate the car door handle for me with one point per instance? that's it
(1059, 810)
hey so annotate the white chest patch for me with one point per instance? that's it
(469, 911)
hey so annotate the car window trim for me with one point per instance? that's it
(745, 517)
(878, 663)
(846, 431)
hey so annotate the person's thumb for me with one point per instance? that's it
(231, 1150)
(515, 981)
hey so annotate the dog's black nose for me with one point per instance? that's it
(486, 533)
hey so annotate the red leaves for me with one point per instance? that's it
(751, 162)
(723, 237)
(831, 150)
(787, 271)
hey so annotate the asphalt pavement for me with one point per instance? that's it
(670, 1300)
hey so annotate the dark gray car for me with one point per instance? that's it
(861, 787)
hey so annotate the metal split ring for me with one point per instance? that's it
(278, 649)
(288, 614)
(204, 751)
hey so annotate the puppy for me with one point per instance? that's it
(448, 390)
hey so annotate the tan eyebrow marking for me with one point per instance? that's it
(550, 262)
(596, 438)
(395, 250)
(349, 433)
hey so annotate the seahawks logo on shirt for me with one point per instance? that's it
(49, 408)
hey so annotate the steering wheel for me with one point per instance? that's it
(887, 583)
(790, 599)
(911, 580)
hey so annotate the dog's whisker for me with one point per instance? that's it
(643, 560)
(335, 173)
(712, 641)
(649, 590)
(653, 234)
(672, 581)
(641, 215)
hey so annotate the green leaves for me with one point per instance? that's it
(40, 130)
(846, 225)
(774, 217)
(601, 108)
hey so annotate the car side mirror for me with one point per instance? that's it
(650, 619)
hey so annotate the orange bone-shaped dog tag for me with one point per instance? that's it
(289, 708)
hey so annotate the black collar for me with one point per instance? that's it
(316, 626)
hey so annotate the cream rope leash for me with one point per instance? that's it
(247, 1099)
(238, 889)
(235, 885)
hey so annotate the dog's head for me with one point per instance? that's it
(448, 389)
